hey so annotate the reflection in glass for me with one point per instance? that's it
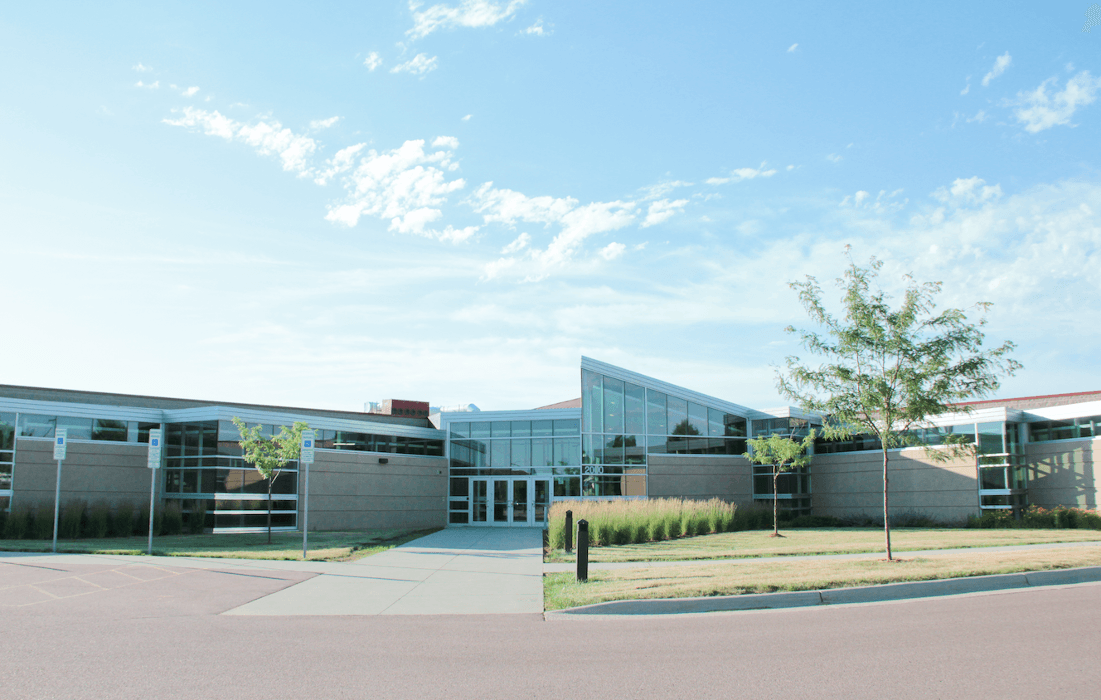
(634, 398)
(613, 405)
(521, 428)
(592, 402)
(542, 454)
(697, 418)
(678, 416)
(542, 428)
(521, 453)
(656, 423)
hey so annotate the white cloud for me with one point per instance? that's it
(966, 89)
(859, 197)
(446, 142)
(662, 188)
(340, 163)
(267, 137)
(791, 49)
(791, 167)
(742, 174)
(576, 224)
(537, 29)
(454, 235)
(141, 68)
(979, 117)
(967, 192)
(318, 124)
(1000, 64)
(418, 65)
(834, 158)
(522, 241)
(152, 86)
(612, 251)
(372, 61)
(466, 118)
(190, 92)
(1038, 110)
(468, 13)
(662, 210)
(404, 185)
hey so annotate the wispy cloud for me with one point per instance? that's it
(469, 13)
(418, 65)
(969, 191)
(612, 251)
(576, 223)
(149, 86)
(373, 60)
(142, 68)
(662, 188)
(466, 118)
(318, 124)
(742, 174)
(834, 158)
(189, 92)
(1000, 64)
(663, 210)
(406, 186)
(537, 29)
(1038, 110)
(791, 49)
(267, 137)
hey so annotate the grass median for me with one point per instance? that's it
(324, 546)
(770, 575)
(758, 543)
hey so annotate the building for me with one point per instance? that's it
(627, 436)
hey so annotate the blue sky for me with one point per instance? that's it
(325, 205)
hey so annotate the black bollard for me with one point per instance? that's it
(582, 550)
(569, 530)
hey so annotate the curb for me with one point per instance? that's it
(838, 596)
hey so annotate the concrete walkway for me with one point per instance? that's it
(457, 571)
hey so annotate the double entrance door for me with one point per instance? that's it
(510, 501)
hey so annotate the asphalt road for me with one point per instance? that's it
(133, 631)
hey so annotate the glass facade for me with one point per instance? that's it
(548, 450)
(792, 487)
(7, 458)
(622, 423)
(1045, 431)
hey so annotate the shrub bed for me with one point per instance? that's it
(632, 522)
(1059, 517)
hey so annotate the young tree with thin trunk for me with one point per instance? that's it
(784, 454)
(270, 455)
(887, 371)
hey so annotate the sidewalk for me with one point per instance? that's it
(456, 571)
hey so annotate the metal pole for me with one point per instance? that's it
(57, 503)
(152, 502)
(305, 509)
(569, 530)
(582, 550)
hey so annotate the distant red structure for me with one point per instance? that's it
(400, 407)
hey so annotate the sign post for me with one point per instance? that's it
(305, 459)
(154, 463)
(61, 441)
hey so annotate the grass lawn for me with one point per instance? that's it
(324, 546)
(758, 543)
(779, 574)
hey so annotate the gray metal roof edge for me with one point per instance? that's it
(206, 413)
(667, 388)
(81, 410)
(448, 417)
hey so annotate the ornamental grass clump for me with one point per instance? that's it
(641, 520)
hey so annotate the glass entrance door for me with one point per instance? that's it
(519, 502)
(501, 502)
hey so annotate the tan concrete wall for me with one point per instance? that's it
(92, 471)
(1062, 473)
(851, 483)
(701, 477)
(352, 491)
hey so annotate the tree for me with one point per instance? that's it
(270, 455)
(885, 371)
(785, 454)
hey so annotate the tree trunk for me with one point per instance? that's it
(886, 510)
(775, 502)
(269, 510)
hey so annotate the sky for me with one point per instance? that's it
(324, 204)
